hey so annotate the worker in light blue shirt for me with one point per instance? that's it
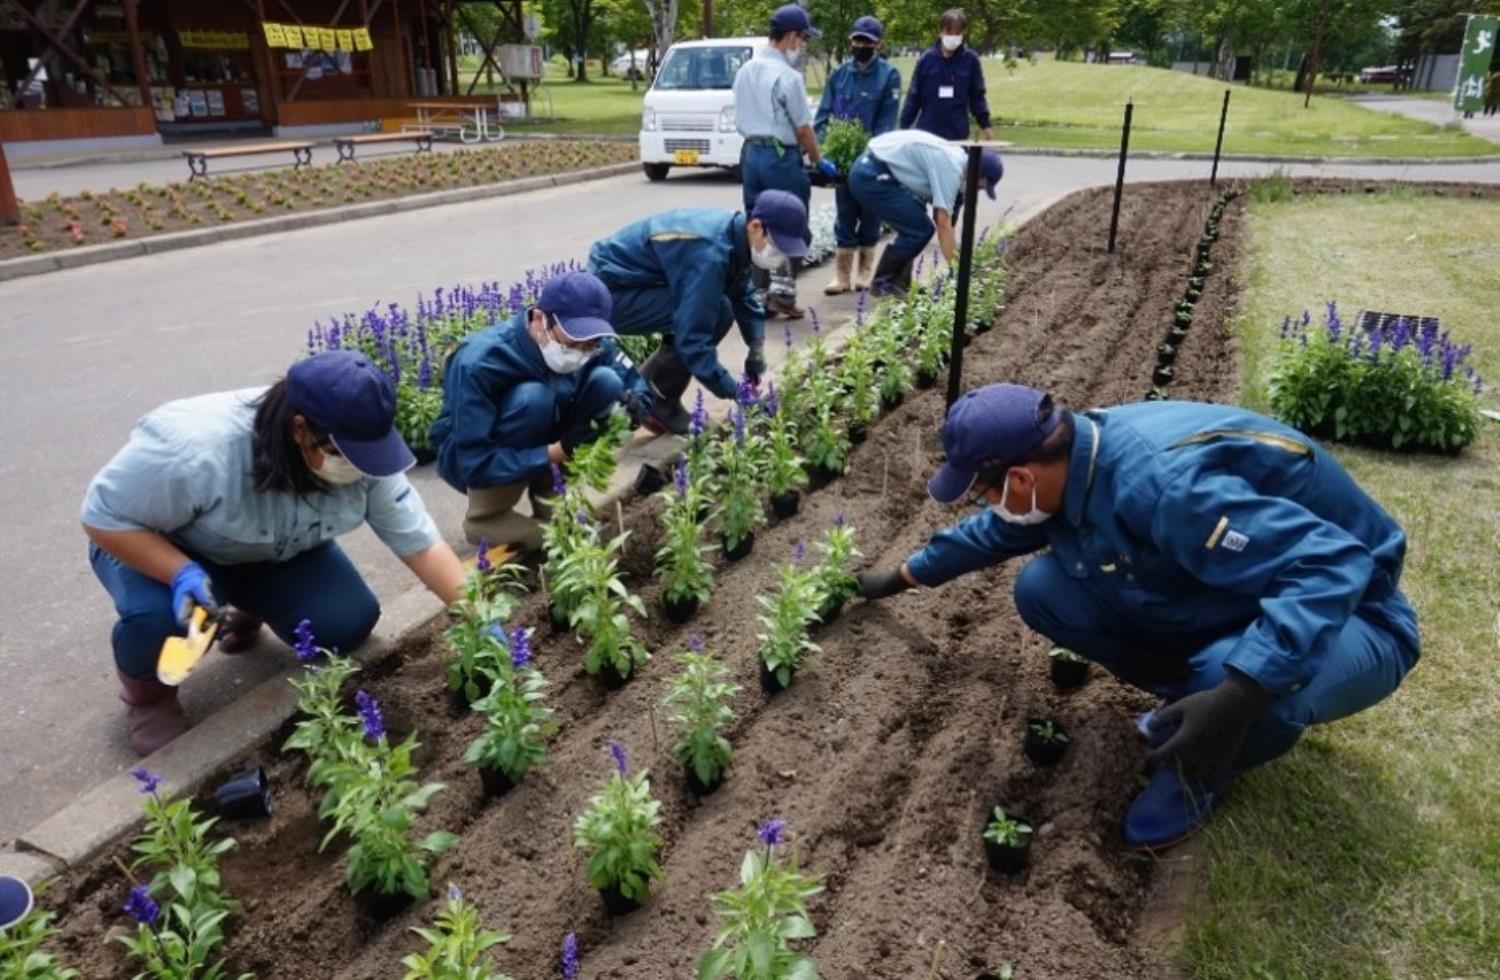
(947, 85)
(520, 396)
(232, 501)
(866, 88)
(1204, 553)
(897, 178)
(772, 114)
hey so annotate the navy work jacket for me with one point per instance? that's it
(926, 108)
(871, 94)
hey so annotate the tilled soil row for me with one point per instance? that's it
(886, 754)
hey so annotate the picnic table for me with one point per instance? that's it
(469, 120)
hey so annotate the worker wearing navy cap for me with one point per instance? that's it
(771, 113)
(234, 500)
(685, 275)
(1204, 553)
(519, 396)
(898, 176)
(866, 88)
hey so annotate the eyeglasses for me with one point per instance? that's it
(561, 336)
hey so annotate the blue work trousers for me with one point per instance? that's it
(1366, 664)
(764, 168)
(856, 226)
(542, 416)
(652, 309)
(880, 195)
(319, 585)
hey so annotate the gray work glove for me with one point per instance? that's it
(878, 584)
(1211, 725)
(755, 362)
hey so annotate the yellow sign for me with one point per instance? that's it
(237, 40)
(327, 39)
(299, 37)
(291, 35)
(346, 40)
(362, 40)
(275, 36)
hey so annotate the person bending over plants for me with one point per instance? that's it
(1204, 553)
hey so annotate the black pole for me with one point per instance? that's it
(1114, 219)
(965, 265)
(1213, 178)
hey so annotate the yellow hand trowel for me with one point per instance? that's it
(180, 654)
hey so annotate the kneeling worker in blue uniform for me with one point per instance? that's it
(520, 396)
(685, 274)
(1204, 553)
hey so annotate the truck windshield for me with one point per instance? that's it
(701, 68)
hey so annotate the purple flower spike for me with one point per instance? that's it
(141, 907)
(370, 716)
(482, 558)
(455, 894)
(520, 648)
(772, 832)
(148, 780)
(799, 550)
(699, 423)
(617, 752)
(559, 485)
(695, 643)
(570, 957)
(681, 474)
(787, 333)
(305, 646)
(817, 324)
(745, 392)
(839, 520)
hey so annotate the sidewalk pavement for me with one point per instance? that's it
(1430, 111)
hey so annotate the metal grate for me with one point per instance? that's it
(689, 124)
(702, 146)
(1369, 320)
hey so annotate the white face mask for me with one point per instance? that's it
(952, 42)
(1033, 516)
(768, 256)
(565, 360)
(338, 471)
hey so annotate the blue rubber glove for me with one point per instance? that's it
(191, 585)
(827, 169)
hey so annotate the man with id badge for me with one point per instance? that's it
(947, 86)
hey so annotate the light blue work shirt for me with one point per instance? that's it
(186, 474)
(770, 98)
(927, 165)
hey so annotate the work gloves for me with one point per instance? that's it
(827, 169)
(1211, 725)
(189, 586)
(755, 362)
(636, 407)
(876, 584)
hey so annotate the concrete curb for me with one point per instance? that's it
(35, 265)
(1032, 151)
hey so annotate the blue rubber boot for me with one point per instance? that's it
(1170, 809)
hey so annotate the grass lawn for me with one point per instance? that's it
(1373, 850)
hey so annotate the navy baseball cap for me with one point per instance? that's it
(869, 27)
(791, 17)
(990, 428)
(15, 900)
(581, 303)
(993, 170)
(785, 217)
(342, 393)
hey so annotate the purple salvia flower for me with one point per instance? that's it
(771, 404)
(455, 893)
(1286, 326)
(559, 485)
(1401, 334)
(520, 648)
(859, 308)
(744, 392)
(839, 519)
(799, 550)
(695, 643)
(699, 423)
(737, 416)
(148, 780)
(141, 907)
(787, 333)
(617, 752)
(1334, 323)
(817, 324)
(772, 832)
(682, 476)
(570, 957)
(482, 557)
(369, 715)
(306, 645)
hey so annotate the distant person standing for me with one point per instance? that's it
(866, 88)
(772, 114)
(947, 86)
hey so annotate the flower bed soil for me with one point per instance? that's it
(99, 217)
(886, 754)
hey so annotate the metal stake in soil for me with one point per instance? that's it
(1114, 218)
(1213, 178)
(937, 959)
(965, 266)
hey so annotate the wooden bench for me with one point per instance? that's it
(198, 159)
(347, 144)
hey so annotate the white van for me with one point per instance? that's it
(688, 119)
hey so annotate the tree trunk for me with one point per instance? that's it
(706, 21)
(1320, 39)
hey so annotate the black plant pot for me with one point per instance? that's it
(1166, 354)
(1067, 674)
(1204, 247)
(1156, 395)
(830, 611)
(858, 432)
(649, 479)
(1006, 860)
(612, 679)
(830, 473)
(382, 906)
(769, 682)
(925, 378)
(892, 402)
(615, 902)
(679, 610)
(700, 788)
(785, 505)
(1185, 306)
(1176, 334)
(1164, 375)
(1194, 293)
(424, 454)
(559, 622)
(984, 326)
(1196, 283)
(245, 795)
(495, 781)
(740, 550)
(1205, 267)
(1043, 753)
(1184, 319)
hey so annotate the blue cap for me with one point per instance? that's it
(581, 303)
(993, 170)
(990, 428)
(791, 17)
(869, 27)
(15, 900)
(348, 397)
(785, 217)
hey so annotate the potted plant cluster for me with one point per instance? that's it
(1006, 838)
(1046, 741)
(1068, 670)
(618, 830)
(698, 712)
(789, 615)
(1165, 371)
(763, 917)
(517, 721)
(682, 562)
(458, 945)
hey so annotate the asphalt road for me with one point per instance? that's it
(90, 350)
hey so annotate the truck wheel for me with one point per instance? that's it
(656, 171)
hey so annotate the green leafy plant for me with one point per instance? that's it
(478, 654)
(834, 582)
(178, 942)
(738, 479)
(843, 141)
(786, 470)
(762, 917)
(826, 443)
(618, 831)
(591, 575)
(1067, 656)
(22, 956)
(456, 945)
(329, 736)
(857, 375)
(1050, 733)
(569, 529)
(517, 721)
(698, 711)
(1007, 831)
(785, 642)
(592, 464)
(682, 561)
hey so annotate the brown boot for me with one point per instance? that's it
(843, 272)
(866, 272)
(155, 716)
(238, 632)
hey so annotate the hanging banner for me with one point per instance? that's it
(275, 36)
(346, 40)
(300, 37)
(362, 39)
(1474, 63)
(234, 40)
(327, 39)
